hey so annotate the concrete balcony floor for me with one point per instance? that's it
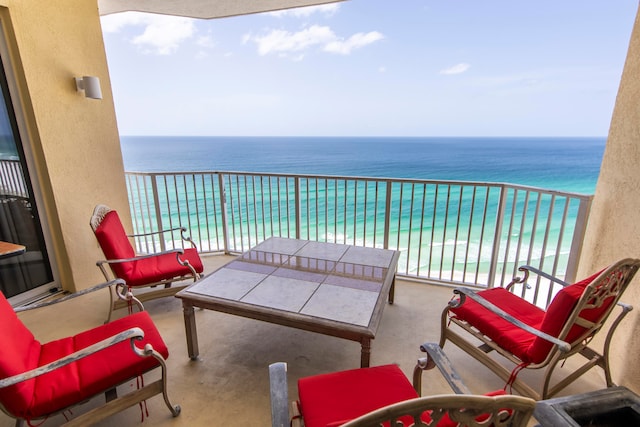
(229, 385)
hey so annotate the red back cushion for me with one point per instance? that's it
(115, 244)
(558, 313)
(19, 352)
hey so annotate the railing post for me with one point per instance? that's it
(223, 211)
(578, 239)
(298, 206)
(156, 202)
(387, 216)
(493, 265)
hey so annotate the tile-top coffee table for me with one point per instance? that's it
(332, 289)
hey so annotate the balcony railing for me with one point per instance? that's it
(12, 179)
(449, 232)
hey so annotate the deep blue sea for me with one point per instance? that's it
(558, 163)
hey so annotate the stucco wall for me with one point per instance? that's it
(74, 139)
(613, 231)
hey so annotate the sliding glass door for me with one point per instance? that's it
(29, 273)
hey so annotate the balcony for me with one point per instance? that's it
(229, 385)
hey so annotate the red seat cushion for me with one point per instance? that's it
(89, 376)
(330, 400)
(162, 267)
(527, 347)
(342, 396)
(116, 245)
(504, 333)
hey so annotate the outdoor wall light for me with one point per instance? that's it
(90, 85)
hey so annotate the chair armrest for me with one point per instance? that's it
(131, 334)
(181, 229)
(465, 292)
(625, 307)
(529, 269)
(70, 296)
(437, 358)
(279, 393)
(152, 233)
(178, 251)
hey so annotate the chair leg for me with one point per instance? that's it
(175, 409)
(595, 359)
(604, 363)
(492, 364)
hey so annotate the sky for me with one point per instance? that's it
(373, 68)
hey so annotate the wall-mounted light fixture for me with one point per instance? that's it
(90, 85)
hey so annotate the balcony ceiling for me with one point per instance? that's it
(204, 9)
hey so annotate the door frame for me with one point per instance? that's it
(23, 138)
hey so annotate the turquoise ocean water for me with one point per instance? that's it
(566, 164)
(563, 164)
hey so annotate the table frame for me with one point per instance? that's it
(353, 332)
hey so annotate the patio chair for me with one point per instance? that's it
(534, 338)
(382, 395)
(41, 380)
(141, 271)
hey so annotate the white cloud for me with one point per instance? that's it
(284, 42)
(356, 41)
(303, 12)
(161, 35)
(281, 41)
(456, 69)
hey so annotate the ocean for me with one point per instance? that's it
(557, 163)
(436, 243)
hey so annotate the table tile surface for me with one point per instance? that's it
(330, 281)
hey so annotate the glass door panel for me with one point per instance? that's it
(19, 220)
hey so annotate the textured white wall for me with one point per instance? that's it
(613, 231)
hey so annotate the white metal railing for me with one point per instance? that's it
(451, 232)
(12, 181)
